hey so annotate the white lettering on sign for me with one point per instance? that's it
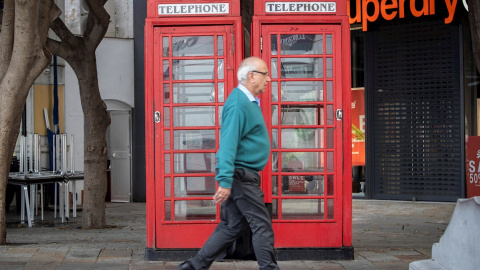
(182, 9)
(300, 7)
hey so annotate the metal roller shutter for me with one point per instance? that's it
(417, 118)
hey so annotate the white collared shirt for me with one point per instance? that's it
(249, 94)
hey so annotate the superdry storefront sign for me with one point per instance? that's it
(367, 11)
(189, 9)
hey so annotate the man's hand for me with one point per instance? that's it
(221, 195)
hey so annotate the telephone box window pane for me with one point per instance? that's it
(194, 139)
(274, 185)
(305, 185)
(166, 117)
(302, 91)
(330, 186)
(194, 116)
(220, 69)
(274, 138)
(273, 69)
(194, 163)
(311, 115)
(168, 183)
(302, 209)
(274, 91)
(195, 186)
(302, 138)
(273, 42)
(301, 44)
(193, 92)
(329, 46)
(274, 115)
(199, 69)
(329, 114)
(166, 47)
(220, 45)
(330, 138)
(166, 70)
(274, 162)
(166, 139)
(329, 67)
(168, 210)
(220, 112)
(192, 46)
(302, 161)
(274, 209)
(166, 93)
(330, 162)
(221, 93)
(195, 210)
(167, 163)
(329, 91)
(330, 209)
(310, 67)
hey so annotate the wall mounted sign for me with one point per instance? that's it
(473, 165)
(300, 7)
(193, 9)
(364, 11)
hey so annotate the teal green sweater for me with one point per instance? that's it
(244, 140)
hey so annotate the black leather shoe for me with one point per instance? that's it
(185, 266)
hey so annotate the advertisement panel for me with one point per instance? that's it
(473, 166)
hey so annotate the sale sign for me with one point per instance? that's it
(473, 166)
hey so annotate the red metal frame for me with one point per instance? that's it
(308, 233)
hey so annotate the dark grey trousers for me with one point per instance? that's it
(243, 209)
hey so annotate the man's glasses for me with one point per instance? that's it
(259, 72)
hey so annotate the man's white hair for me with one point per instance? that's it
(246, 66)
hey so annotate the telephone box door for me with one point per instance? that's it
(194, 67)
(304, 117)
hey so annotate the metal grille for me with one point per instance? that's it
(417, 111)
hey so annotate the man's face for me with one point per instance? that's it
(259, 78)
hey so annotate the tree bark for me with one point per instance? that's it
(26, 59)
(474, 18)
(95, 150)
(79, 52)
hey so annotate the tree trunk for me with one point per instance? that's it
(474, 18)
(26, 60)
(95, 150)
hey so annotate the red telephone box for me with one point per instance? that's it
(307, 47)
(192, 50)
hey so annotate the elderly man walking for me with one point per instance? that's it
(244, 151)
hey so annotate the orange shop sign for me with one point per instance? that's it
(370, 10)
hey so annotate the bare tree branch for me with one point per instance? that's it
(62, 31)
(97, 24)
(6, 36)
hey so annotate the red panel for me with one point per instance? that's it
(303, 235)
(185, 236)
(149, 150)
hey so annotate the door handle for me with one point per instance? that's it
(157, 117)
(339, 114)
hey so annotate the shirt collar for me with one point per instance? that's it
(249, 94)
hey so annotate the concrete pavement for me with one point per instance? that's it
(386, 235)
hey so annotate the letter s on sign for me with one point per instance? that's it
(471, 166)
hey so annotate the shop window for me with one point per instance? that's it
(358, 111)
